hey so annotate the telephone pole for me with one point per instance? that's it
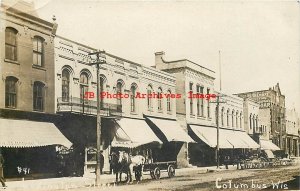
(98, 131)
(218, 128)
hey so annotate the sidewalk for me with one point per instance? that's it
(67, 183)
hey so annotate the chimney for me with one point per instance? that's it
(159, 58)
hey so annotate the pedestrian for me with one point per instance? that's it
(101, 162)
(1, 170)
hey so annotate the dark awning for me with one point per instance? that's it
(23, 133)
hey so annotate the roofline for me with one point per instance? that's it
(30, 16)
(86, 46)
(257, 91)
(189, 61)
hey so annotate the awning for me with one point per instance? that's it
(268, 145)
(244, 137)
(209, 136)
(228, 138)
(269, 154)
(23, 133)
(171, 130)
(132, 133)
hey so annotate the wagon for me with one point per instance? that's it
(156, 168)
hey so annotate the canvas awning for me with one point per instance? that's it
(268, 145)
(269, 154)
(171, 129)
(23, 133)
(247, 139)
(228, 138)
(209, 136)
(132, 133)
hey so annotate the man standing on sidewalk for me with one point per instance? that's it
(1, 170)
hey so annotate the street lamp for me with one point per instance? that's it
(98, 131)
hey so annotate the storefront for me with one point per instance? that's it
(30, 148)
(232, 143)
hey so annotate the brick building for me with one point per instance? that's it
(27, 102)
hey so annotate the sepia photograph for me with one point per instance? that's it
(154, 95)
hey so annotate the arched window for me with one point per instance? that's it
(11, 92)
(159, 100)
(227, 120)
(198, 100)
(250, 121)
(11, 44)
(237, 119)
(191, 99)
(38, 51)
(84, 85)
(132, 98)
(149, 99)
(253, 123)
(241, 124)
(208, 104)
(102, 80)
(65, 85)
(119, 92)
(38, 96)
(256, 122)
(169, 108)
(222, 116)
(232, 118)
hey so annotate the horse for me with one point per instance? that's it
(118, 167)
(129, 163)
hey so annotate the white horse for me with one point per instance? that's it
(132, 162)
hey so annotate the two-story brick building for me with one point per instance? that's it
(27, 103)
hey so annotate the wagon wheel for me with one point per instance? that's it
(171, 171)
(152, 174)
(156, 173)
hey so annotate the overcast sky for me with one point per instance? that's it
(259, 41)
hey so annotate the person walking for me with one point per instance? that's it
(101, 162)
(1, 170)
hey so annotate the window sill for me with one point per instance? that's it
(38, 67)
(192, 116)
(38, 111)
(160, 111)
(169, 113)
(11, 61)
(133, 113)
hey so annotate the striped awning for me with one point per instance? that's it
(131, 133)
(268, 145)
(24, 133)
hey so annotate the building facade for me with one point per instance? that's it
(272, 112)
(75, 75)
(292, 132)
(27, 99)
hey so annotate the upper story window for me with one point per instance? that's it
(11, 44)
(241, 124)
(232, 118)
(38, 96)
(191, 99)
(119, 92)
(222, 116)
(65, 85)
(84, 85)
(132, 98)
(227, 119)
(169, 108)
(201, 102)
(159, 100)
(38, 51)
(149, 99)
(11, 92)
(250, 121)
(237, 119)
(198, 100)
(208, 105)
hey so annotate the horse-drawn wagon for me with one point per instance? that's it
(156, 168)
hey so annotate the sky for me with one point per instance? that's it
(259, 41)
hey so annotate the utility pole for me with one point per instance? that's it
(98, 131)
(218, 129)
